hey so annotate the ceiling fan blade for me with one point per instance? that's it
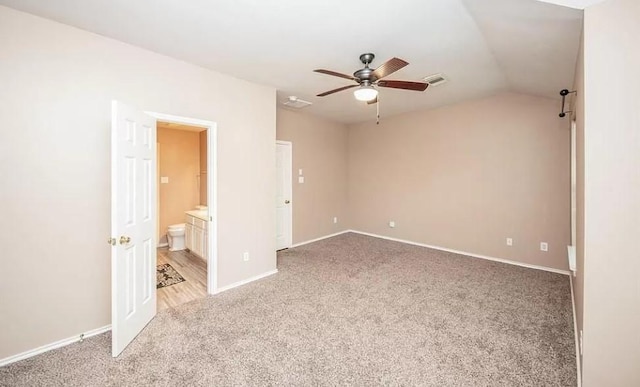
(336, 90)
(405, 85)
(335, 74)
(389, 67)
(375, 100)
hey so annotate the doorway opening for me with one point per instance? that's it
(183, 217)
(134, 218)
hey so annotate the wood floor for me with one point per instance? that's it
(192, 268)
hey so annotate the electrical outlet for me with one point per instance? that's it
(544, 246)
(245, 256)
(335, 219)
(509, 242)
(392, 224)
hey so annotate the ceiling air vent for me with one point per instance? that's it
(436, 79)
(296, 102)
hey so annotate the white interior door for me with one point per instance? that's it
(133, 223)
(284, 225)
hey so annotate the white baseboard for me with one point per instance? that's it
(49, 347)
(545, 268)
(576, 334)
(244, 282)
(319, 239)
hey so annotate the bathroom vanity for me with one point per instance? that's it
(196, 235)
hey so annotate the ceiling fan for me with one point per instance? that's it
(367, 79)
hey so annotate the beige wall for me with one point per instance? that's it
(612, 194)
(320, 150)
(57, 86)
(203, 167)
(180, 162)
(578, 108)
(466, 177)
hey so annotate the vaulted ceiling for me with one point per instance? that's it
(482, 46)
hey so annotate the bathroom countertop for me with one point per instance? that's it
(200, 214)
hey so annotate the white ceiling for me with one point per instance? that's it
(577, 4)
(482, 46)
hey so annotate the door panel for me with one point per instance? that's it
(188, 236)
(133, 224)
(283, 195)
(197, 241)
(205, 246)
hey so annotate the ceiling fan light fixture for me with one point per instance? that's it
(365, 93)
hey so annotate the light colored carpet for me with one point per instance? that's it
(350, 310)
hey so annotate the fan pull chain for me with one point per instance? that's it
(378, 111)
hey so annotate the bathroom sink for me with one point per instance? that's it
(200, 214)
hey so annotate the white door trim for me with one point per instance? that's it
(290, 190)
(574, 182)
(212, 190)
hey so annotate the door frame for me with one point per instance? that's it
(212, 189)
(574, 188)
(289, 144)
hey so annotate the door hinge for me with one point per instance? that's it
(111, 241)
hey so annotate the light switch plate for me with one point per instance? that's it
(300, 179)
(164, 179)
(300, 172)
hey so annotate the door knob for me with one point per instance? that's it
(287, 201)
(124, 240)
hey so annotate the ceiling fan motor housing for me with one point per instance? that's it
(365, 75)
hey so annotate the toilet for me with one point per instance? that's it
(175, 235)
